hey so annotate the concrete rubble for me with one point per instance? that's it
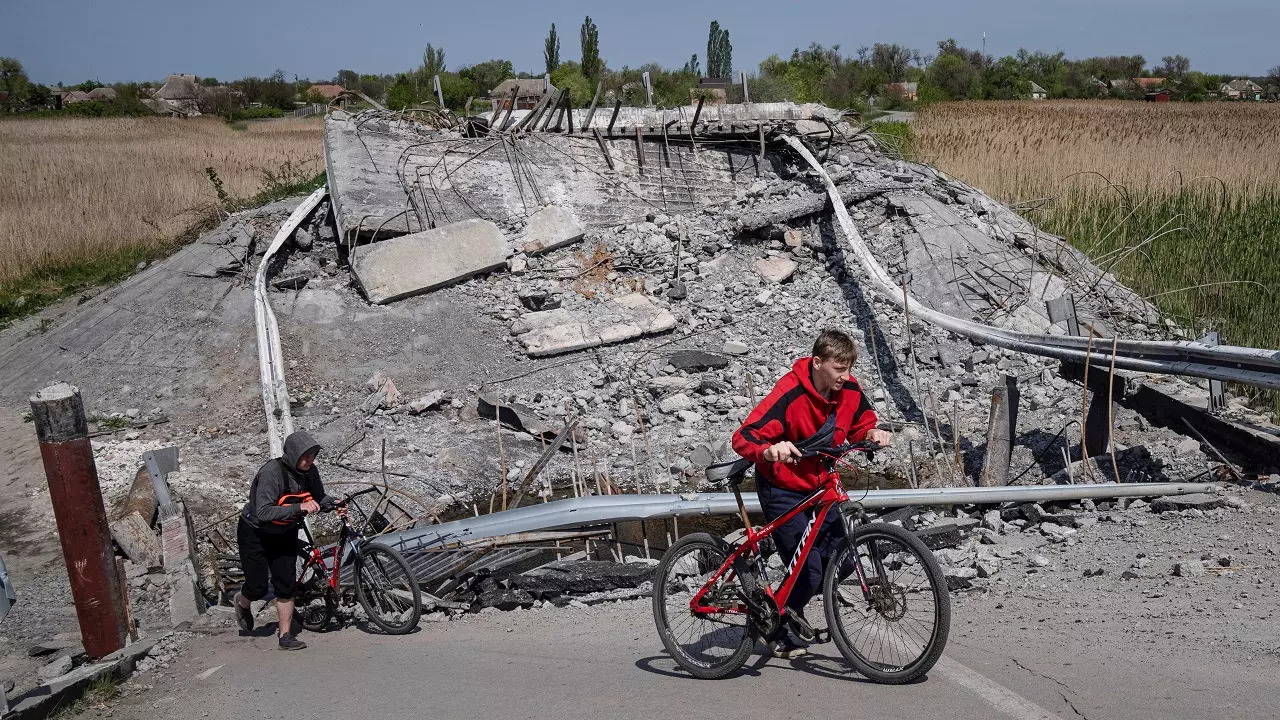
(652, 304)
(424, 261)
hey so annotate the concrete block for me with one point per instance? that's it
(551, 227)
(552, 332)
(424, 261)
(136, 539)
(776, 269)
(186, 604)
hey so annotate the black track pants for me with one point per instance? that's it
(263, 552)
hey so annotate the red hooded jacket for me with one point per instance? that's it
(793, 411)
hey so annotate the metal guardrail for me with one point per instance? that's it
(606, 509)
(275, 394)
(1251, 366)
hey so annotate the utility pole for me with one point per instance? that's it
(984, 47)
(96, 587)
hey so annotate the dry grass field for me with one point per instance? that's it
(73, 190)
(1180, 200)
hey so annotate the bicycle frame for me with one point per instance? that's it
(830, 495)
(347, 547)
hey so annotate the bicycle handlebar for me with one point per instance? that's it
(866, 446)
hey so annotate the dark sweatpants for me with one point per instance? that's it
(261, 552)
(776, 502)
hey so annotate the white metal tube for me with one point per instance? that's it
(603, 509)
(275, 393)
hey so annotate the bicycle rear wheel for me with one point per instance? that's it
(893, 631)
(708, 645)
(387, 590)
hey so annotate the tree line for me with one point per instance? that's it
(871, 74)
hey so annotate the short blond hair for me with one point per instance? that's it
(833, 344)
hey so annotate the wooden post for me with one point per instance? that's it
(439, 93)
(746, 94)
(592, 111)
(617, 106)
(63, 431)
(1000, 430)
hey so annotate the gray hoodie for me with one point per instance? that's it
(279, 477)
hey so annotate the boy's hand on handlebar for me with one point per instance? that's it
(880, 437)
(310, 506)
(783, 452)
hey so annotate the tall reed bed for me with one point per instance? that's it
(1181, 201)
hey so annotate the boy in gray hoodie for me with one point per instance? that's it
(285, 490)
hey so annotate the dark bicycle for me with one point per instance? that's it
(885, 597)
(383, 581)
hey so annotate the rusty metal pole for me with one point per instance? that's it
(96, 589)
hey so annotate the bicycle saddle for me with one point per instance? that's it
(728, 470)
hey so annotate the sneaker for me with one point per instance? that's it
(289, 642)
(787, 649)
(244, 615)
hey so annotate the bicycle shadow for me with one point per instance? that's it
(824, 666)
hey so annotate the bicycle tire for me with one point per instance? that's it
(894, 607)
(314, 601)
(383, 572)
(684, 569)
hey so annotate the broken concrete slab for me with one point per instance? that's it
(551, 227)
(776, 269)
(136, 539)
(424, 261)
(1194, 501)
(551, 332)
(48, 697)
(431, 400)
(697, 360)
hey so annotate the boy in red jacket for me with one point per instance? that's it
(816, 388)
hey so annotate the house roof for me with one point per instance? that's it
(103, 93)
(1148, 83)
(75, 96)
(1243, 84)
(529, 87)
(179, 87)
(1036, 88)
(327, 91)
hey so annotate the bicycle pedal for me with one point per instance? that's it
(821, 636)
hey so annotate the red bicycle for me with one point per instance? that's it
(884, 595)
(383, 580)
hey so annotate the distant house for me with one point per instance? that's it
(102, 94)
(1038, 93)
(528, 92)
(328, 91)
(1160, 96)
(905, 90)
(75, 96)
(1241, 89)
(180, 95)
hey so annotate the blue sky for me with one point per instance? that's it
(118, 40)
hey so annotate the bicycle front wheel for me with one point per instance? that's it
(387, 590)
(890, 621)
(711, 644)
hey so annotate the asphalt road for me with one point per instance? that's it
(606, 661)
